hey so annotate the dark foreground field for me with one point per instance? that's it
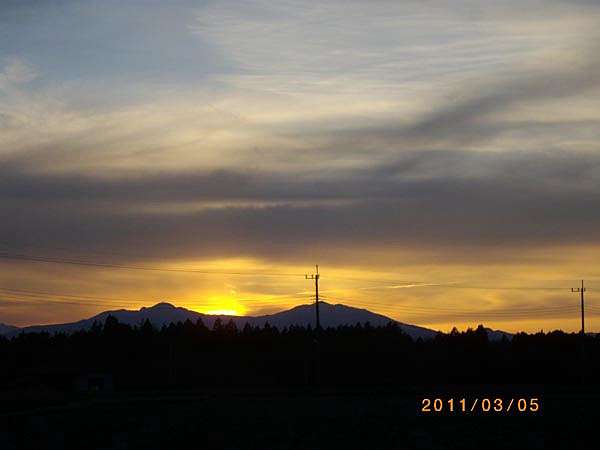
(298, 420)
(188, 387)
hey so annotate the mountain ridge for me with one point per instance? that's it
(164, 313)
(5, 328)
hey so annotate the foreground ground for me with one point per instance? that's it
(311, 419)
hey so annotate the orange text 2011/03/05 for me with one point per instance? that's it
(480, 405)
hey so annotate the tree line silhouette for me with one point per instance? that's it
(188, 355)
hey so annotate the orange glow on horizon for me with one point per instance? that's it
(223, 312)
(521, 295)
(222, 305)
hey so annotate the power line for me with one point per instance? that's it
(443, 308)
(122, 266)
(39, 301)
(79, 251)
(474, 313)
(502, 288)
(493, 315)
(390, 283)
(423, 312)
(46, 293)
(62, 298)
(399, 284)
(24, 299)
(277, 296)
(516, 313)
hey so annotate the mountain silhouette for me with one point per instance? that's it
(304, 315)
(164, 313)
(6, 329)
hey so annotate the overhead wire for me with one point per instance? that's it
(131, 267)
(61, 298)
(519, 312)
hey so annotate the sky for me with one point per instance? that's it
(439, 160)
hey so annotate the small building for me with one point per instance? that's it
(94, 382)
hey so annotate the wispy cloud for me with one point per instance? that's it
(16, 71)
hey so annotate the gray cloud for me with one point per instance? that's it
(437, 199)
(412, 183)
(554, 83)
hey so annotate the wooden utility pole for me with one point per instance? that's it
(315, 276)
(316, 356)
(581, 290)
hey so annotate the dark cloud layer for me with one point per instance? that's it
(552, 83)
(423, 188)
(447, 199)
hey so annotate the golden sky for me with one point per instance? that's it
(439, 162)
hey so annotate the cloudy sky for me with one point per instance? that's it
(439, 160)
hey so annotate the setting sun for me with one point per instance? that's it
(222, 305)
(223, 312)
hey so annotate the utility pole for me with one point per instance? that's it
(315, 276)
(581, 290)
(316, 355)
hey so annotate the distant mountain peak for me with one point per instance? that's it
(160, 305)
(6, 328)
